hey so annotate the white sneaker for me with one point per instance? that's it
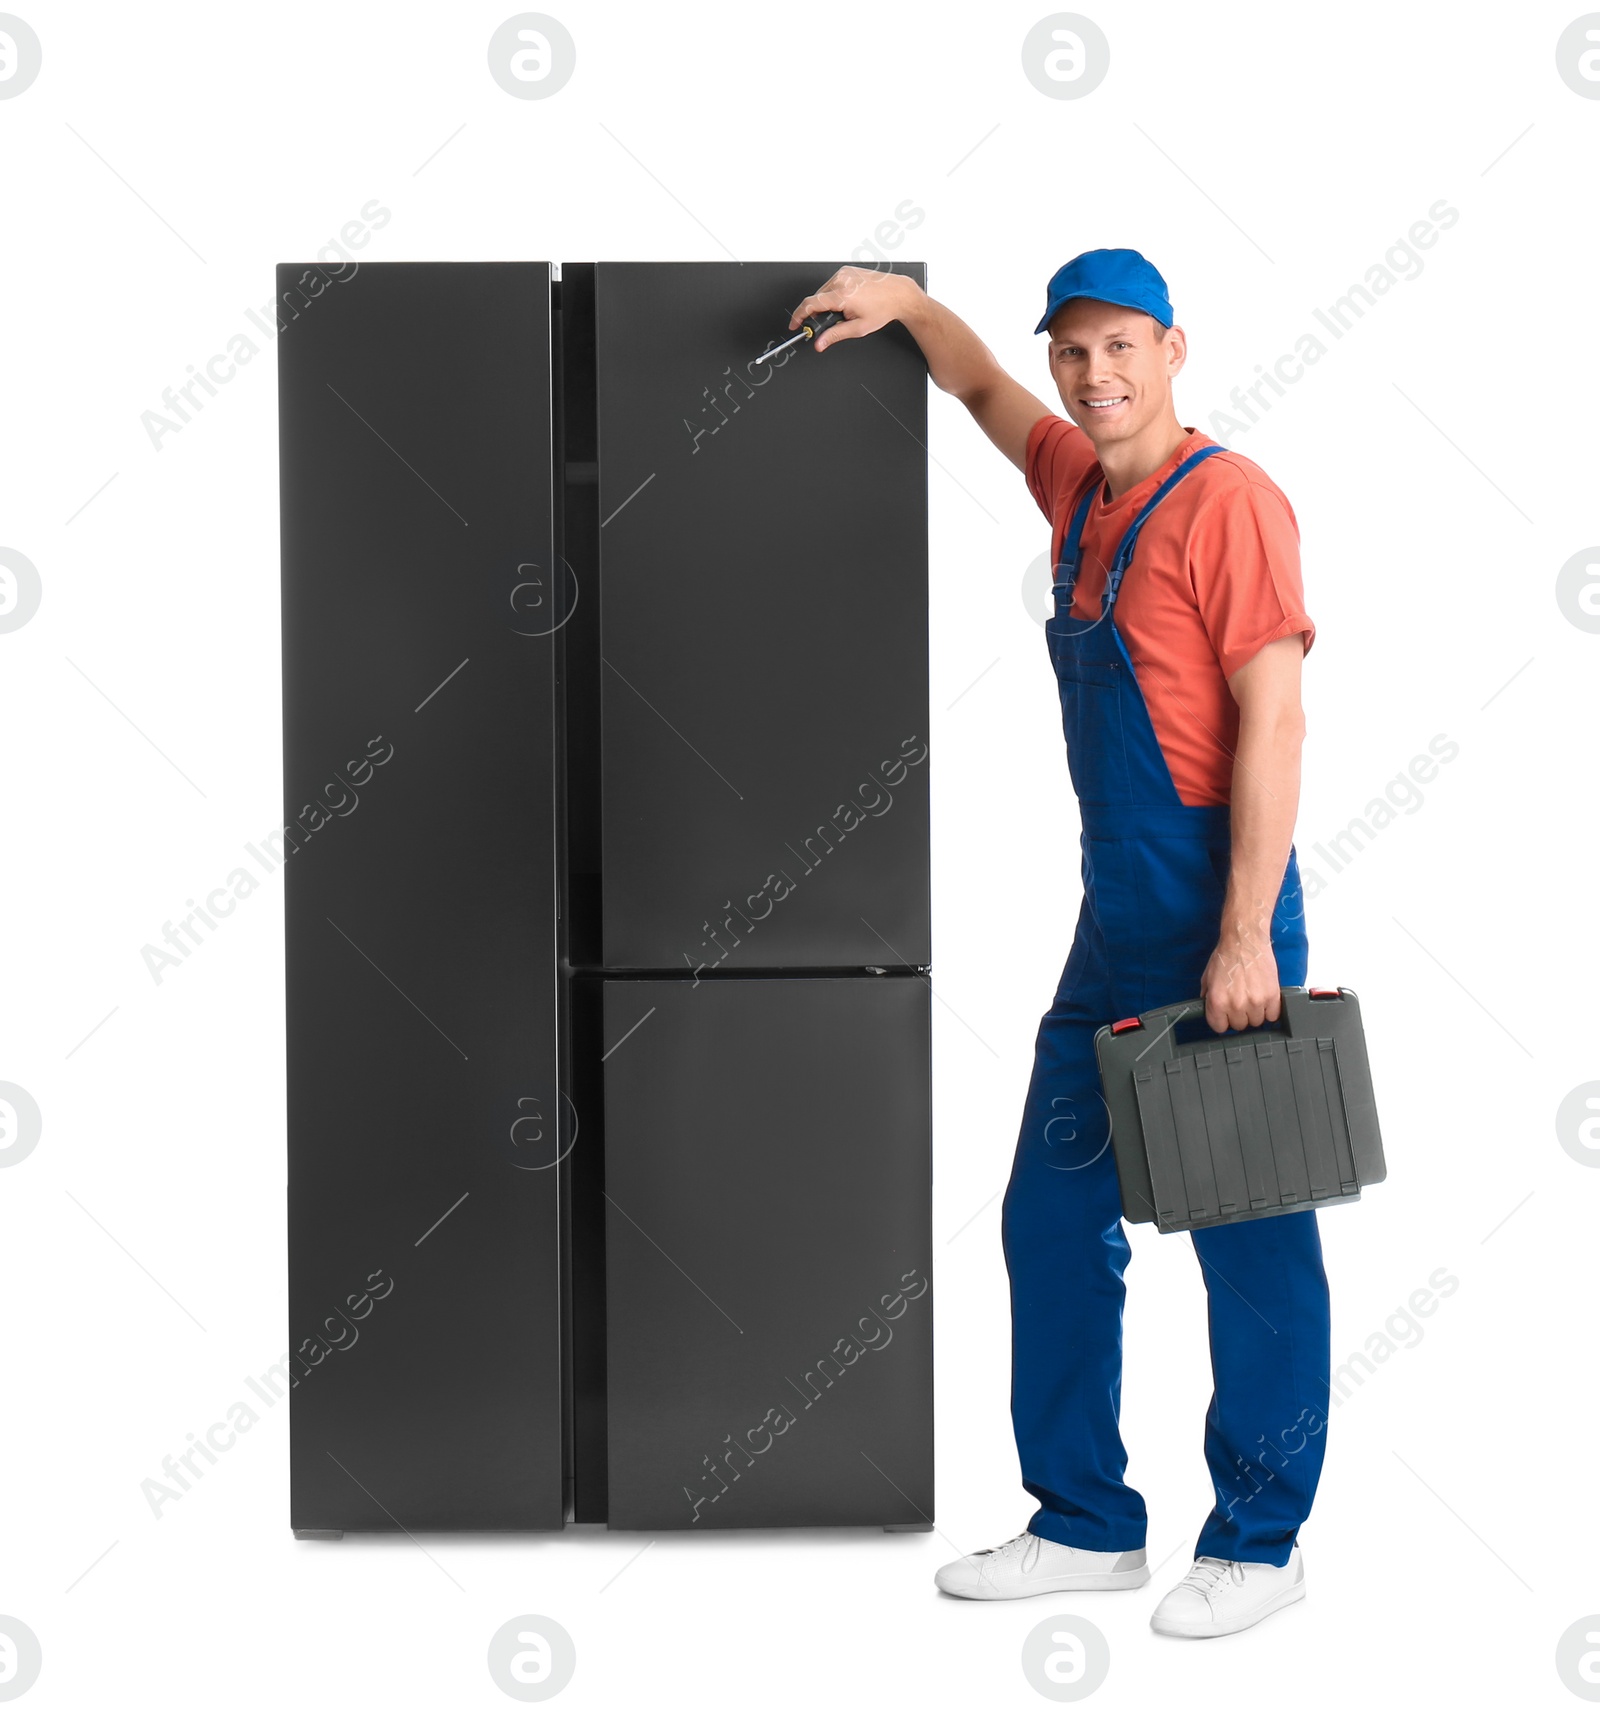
(1027, 1565)
(1217, 1597)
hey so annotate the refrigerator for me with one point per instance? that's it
(605, 857)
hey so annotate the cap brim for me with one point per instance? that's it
(1121, 304)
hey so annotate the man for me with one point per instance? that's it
(1177, 640)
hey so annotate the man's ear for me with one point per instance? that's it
(1177, 349)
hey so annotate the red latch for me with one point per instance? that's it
(1326, 995)
(1125, 1025)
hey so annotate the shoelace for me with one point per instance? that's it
(1209, 1572)
(1029, 1554)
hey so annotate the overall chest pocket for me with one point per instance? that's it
(1070, 665)
(1071, 670)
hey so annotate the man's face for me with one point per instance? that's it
(1113, 367)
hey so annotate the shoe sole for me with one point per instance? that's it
(1216, 1630)
(1066, 1583)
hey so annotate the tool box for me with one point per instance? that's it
(1211, 1129)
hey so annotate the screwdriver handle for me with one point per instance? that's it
(820, 322)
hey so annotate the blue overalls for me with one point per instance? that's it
(1154, 875)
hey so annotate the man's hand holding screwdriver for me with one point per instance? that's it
(958, 361)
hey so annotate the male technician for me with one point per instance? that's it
(1177, 640)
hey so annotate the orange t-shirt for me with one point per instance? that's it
(1216, 576)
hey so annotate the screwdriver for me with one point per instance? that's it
(809, 329)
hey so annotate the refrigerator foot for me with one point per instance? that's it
(319, 1532)
(926, 1526)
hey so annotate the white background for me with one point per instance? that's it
(1441, 462)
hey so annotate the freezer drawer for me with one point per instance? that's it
(763, 635)
(769, 1313)
(424, 1304)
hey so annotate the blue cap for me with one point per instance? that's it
(1113, 277)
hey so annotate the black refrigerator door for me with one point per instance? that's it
(769, 1310)
(417, 544)
(763, 633)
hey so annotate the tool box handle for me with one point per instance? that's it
(1296, 1013)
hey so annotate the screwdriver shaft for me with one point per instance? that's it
(783, 346)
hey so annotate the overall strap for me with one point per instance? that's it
(1067, 571)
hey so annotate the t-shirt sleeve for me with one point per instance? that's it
(1244, 561)
(1047, 458)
